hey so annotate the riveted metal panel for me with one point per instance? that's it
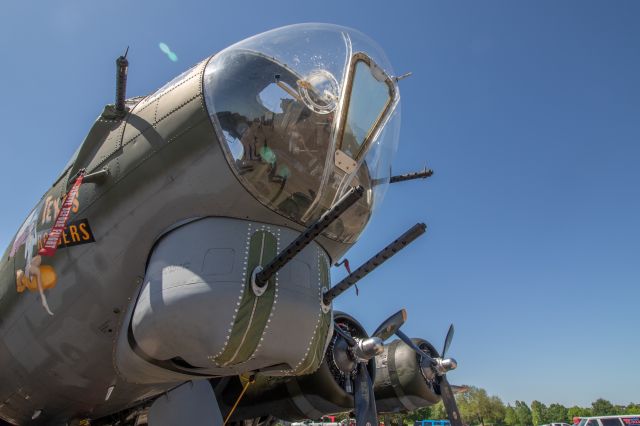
(108, 148)
(180, 94)
(214, 321)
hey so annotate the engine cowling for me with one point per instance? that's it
(402, 382)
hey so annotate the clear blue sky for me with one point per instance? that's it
(529, 113)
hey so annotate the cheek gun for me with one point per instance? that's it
(411, 176)
(260, 276)
(378, 259)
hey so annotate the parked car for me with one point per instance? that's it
(624, 420)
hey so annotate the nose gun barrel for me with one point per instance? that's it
(262, 278)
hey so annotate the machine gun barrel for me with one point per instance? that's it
(410, 176)
(122, 67)
(309, 234)
(382, 256)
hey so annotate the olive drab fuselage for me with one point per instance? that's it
(165, 168)
(186, 194)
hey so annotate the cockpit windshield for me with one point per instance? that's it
(299, 114)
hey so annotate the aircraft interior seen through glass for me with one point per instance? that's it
(278, 128)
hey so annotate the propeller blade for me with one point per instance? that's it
(413, 346)
(449, 402)
(447, 341)
(390, 325)
(364, 401)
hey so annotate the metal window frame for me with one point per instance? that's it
(346, 103)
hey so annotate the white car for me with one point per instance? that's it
(624, 420)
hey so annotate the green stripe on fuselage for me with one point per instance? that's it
(315, 354)
(253, 312)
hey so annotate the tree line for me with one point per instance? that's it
(478, 408)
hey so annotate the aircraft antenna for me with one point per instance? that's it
(403, 76)
(122, 68)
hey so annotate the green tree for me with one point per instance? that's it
(402, 419)
(510, 417)
(523, 414)
(602, 407)
(632, 409)
(557, 413)
(538, 413)
(423, 413)
(477, 407)
(498, 410)
(576, 411)
(438, 412)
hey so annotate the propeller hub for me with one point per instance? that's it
(365, 349)
(445, 365)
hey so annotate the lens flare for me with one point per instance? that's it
(167, 50)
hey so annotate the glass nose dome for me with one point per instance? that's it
(305, 112)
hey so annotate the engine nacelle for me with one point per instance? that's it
(402, 383)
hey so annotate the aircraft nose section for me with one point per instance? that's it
(198, 312)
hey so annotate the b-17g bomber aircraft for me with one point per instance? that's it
(177, 272)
